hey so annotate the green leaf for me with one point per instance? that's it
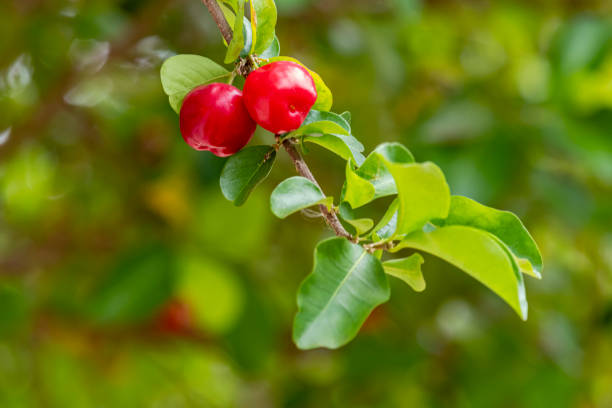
(135, 289)
(273, 50)
(324, 96)
(181, 73)
(388, 223)
(237, 43)
(408, 270)
(346, 284)
(294, 194)
(423, 194)
(361, 225)
(244, 171)
(503, 224)
(356, 190)
(374, 168)
(479, 254)
(263, 17)
(320, 122)
(347, 147)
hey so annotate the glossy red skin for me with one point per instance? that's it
(213, 117)
(279, 96)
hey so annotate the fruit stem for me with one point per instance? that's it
(253, 61)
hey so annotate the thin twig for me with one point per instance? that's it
(217, 15)
(303, 170)
(300, 165)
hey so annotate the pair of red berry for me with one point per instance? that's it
(222, 119)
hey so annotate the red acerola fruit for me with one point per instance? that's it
(279, 96)
(213, 117)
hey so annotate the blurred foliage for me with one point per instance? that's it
(128, 280)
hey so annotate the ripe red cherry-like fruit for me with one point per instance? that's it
(279, 95)
(213, 117)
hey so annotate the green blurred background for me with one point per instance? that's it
(127, 280)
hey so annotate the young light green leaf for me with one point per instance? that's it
(423, 194)
(477, 253)
(237, 43)
(361, 225)
(388, 223)
(347, 147)
(346, 284)
(503, 224)
(263, 18)
(181, 73)
(273, 49)
(408, 270)
(324, 96)
(244, 171)
(374, 168)
(356, 190)
(294, 194)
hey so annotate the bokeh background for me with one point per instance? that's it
(127, 280)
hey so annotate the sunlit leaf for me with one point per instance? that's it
(361, 225)
(346, 284)
(181, 73)
(264, 18)
(237, 44)
(321, 122)
(347, 147)
(423, 194)
(244, 171)
(479, 254)
(407, 269)
(295, 194)
(375, 170)
(503, 224)
(356, 191)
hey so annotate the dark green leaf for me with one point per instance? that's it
(503, 224)
(263, 16)
(346, 284)
(181, 73)
(295, 194)
(408, 270)
(479, 254)
(244, 171)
